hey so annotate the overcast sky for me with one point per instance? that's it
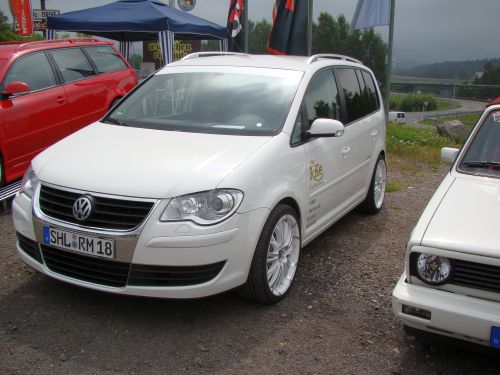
(425, 30)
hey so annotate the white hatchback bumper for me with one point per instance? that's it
(453, 315)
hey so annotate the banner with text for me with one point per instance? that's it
(151, 51)
(22, 16)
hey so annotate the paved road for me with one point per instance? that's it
(412, 118)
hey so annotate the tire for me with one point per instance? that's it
(275, 259)
(376, 192)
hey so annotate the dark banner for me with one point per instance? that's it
(235, 25)
(289, 32)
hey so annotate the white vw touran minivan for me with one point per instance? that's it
(211, 175)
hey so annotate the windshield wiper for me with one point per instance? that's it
(481, 164)
(115, 121)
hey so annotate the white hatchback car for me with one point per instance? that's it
(211, 175)
(451, 283)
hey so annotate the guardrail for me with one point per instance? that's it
(9, 190)
(437, 116)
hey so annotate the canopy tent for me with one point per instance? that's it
(137, 20)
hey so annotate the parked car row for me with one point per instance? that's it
(50, 89)
(215, 172)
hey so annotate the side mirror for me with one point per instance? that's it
(14, 88)
(448, 154)
(325, 127)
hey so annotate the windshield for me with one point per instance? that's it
(221, 101)
(483, 154)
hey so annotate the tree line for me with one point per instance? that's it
(449, 69)
(331, 35)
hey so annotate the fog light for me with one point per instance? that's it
(416, 311)
(433, 269)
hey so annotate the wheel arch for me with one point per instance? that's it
(289, 201)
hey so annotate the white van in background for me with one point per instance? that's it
(397, 117)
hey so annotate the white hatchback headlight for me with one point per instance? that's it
(205, 208)
(433, 269)
(28, 183)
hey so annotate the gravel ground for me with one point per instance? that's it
(337, 318)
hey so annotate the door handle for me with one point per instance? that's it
(60, 100)
(345, 151)
(374, 133)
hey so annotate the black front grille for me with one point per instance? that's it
(116, 274)
(86, 268)
(476, 275)
(108, 213)
(144, 275)
(30, 247)
(469, 274)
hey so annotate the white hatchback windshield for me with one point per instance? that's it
(248, 101)
(483, 154)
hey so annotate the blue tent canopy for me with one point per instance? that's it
(136, 20)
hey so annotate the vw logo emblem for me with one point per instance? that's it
(82, 208)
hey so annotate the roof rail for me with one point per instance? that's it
(315, 58)
(25, 43)
(196, 55)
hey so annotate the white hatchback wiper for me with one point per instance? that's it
(115, 121)
(481, 164)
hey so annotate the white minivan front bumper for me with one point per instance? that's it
(454, 315)
(173, 245)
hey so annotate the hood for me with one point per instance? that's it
(143, 162)
(467, 218)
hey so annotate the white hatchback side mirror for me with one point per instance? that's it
(325, 127)
(448, 154)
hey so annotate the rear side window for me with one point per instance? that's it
(106, 59)
(352, 93)
(34, 70)
(73, 64)
(370, 92)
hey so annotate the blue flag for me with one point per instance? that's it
(370, 13)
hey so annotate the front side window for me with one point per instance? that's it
(352, 93)
(106, 59)
(322, 99)
(73, 64)
(222, 101)
(34, 70)
(483, 154)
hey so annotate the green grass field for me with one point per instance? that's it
(411, 147)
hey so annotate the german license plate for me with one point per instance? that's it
(495, 337)
(80, 243)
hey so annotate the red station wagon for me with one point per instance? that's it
(50, 89)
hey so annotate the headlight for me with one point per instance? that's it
(433, 269)
(205, 208)
(28, 183)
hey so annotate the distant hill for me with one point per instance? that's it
(450, 69)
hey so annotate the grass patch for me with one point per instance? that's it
(410, 147)
(393, 186)
(446, 105)
(465, 119)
